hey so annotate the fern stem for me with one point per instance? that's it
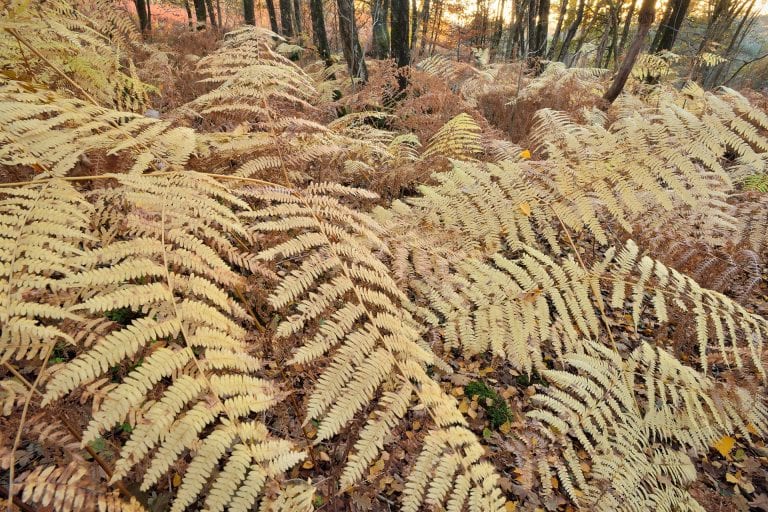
(76, 434)
(23, 420)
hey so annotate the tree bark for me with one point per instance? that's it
(286, 18)
(424, 25)
(414, 25)
(380, 35)
(437, 24)
(558, 28)
(297, 16)
(350, 43)
(625, 31)
(272, 16)
(542, 28)
(400, 19)
(644, 20)
(318, 28)
(200, 14)
(141, 10)
(670, 25)
(248, 12)
(532, 12)
(149, 17)
(189, 13)
(571, 32)
(211, 13)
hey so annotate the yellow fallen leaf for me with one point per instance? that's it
(724, 445)
(176, 480)
(555, 483)
(751, 429)
(510, 506)
(731, 478)
(525, 209)
(377, 468)
(525, 154)
(308, 464)
(464, 406)
(505, 427)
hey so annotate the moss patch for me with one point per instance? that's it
(495, 406)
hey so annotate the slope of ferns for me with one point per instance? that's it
(162, 294)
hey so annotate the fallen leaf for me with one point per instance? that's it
(525, 154)
(510, 506)
(724, 445)
(525, 209)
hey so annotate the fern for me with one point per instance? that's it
(374, 344)
(170, 272)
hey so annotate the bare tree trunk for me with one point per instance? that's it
(297, 16)
(286, 17)
(425, 25)
(141, 10)
(625, 31)
(670, 25)
(350, 43)
(414, 25)
(399, 23)
(189, 13)
(272, 16)
(200, 14)
(644, 20)
(438, 23)
(401, 51)
(149, 17)
(542, 28)
(318, 29)
(558, 28)
(571, 32)
(211, 13)
(735, 44)
(532, 12)
(248, 12)
(380, 34)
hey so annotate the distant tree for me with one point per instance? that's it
(200, 14)
(558, 28)
(400, 32)
(625, 30)
(189, 13)
(141, 10)
(272, 16)
(318, 30)
(542, 28)
(644, 21)
(248, 12)
(350, 43)
(572, 28)
(211, 13)
(379, 16)
(286, 17)
(297, 16)
(424, 25)
(669, 26)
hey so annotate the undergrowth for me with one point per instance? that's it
(285, 290)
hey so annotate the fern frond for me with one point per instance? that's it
(171, 273)
(374, 343)
(44, 228)
(458, 138)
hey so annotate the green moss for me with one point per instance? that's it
(495, 406)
